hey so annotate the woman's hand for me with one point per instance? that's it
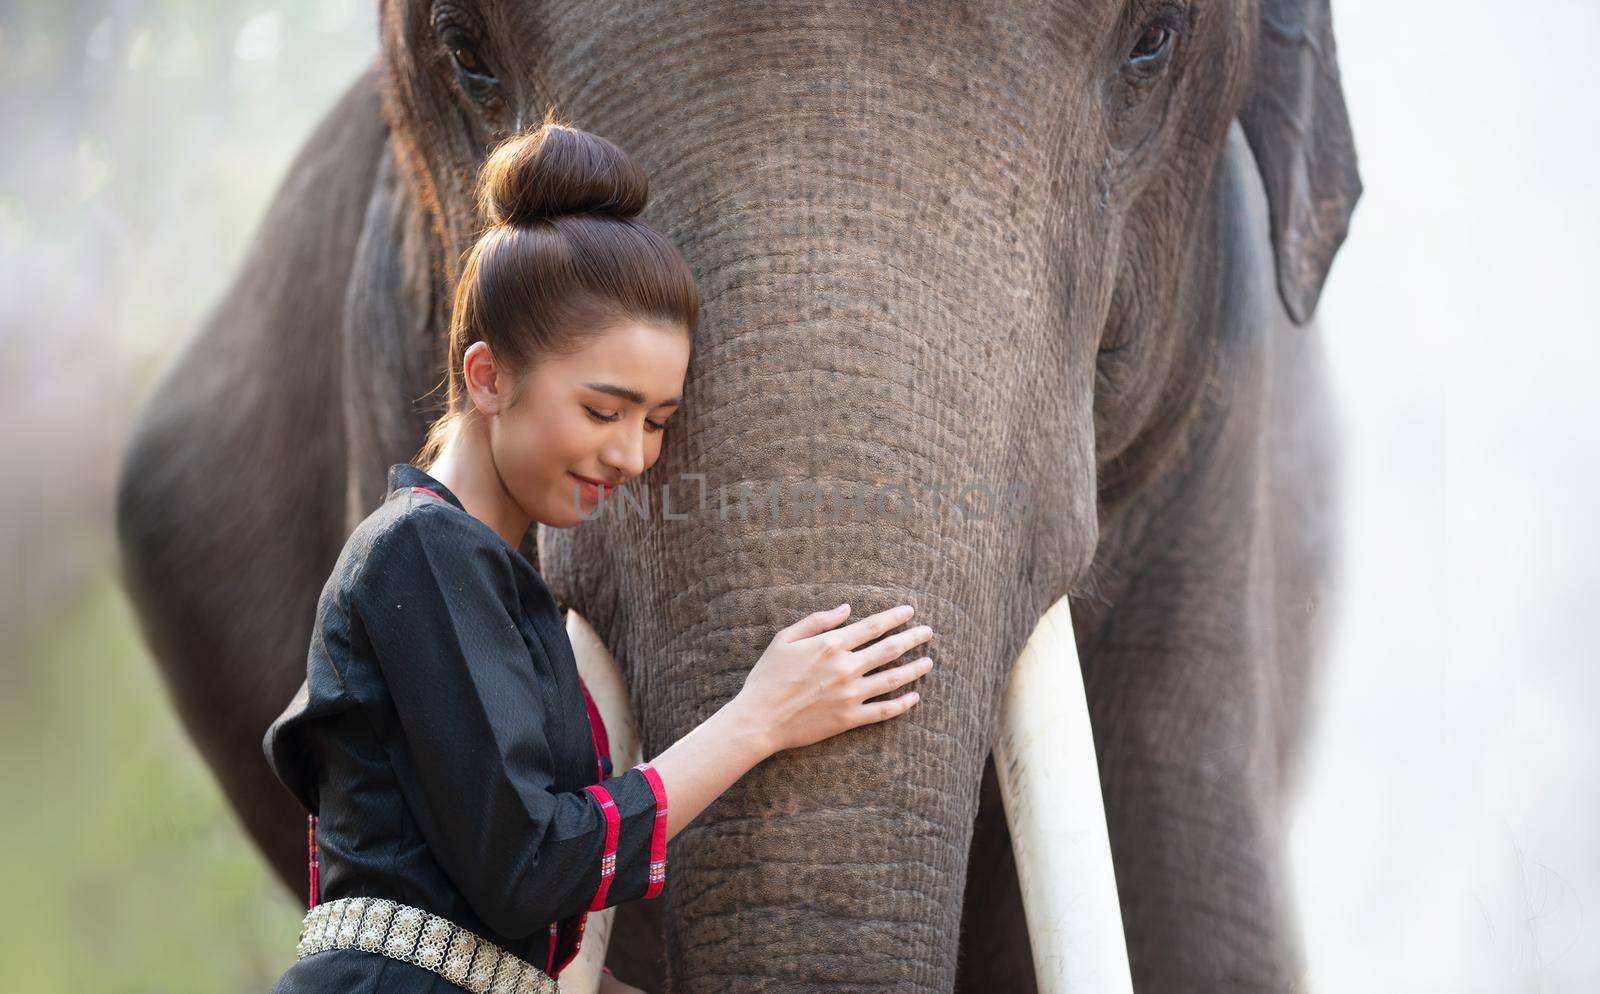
(813, 680)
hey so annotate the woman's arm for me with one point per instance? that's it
(697, 768)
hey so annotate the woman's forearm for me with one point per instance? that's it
(697, 768)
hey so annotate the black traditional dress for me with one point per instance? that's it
(450, 753)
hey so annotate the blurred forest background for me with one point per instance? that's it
(1446, 840)
(143, 141)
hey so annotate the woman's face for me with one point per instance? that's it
(596, 414)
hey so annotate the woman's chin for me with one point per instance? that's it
(571, 514)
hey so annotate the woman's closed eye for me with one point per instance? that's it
(609, 419)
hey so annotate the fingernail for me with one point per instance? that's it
(843, 607)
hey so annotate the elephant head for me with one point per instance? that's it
(964, 272)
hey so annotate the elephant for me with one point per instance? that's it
(1069, 247)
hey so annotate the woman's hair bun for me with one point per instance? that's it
(557, 169)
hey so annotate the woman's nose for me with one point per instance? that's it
(626, 456)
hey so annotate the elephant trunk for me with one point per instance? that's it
(843, 862)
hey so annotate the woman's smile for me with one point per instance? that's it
(592, 489)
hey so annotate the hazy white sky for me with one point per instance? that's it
(1450, 837)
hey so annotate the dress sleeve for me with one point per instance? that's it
(435, 599)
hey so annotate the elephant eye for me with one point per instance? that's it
(468, 60)
(461, 44)
(1152, 43)
(470, 63)
(1152, 50)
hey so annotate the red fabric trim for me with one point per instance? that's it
(425, 490)
(608, 857)
(311, 843)
(658, 831)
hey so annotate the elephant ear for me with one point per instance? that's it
(1295, 119)
(393, 357)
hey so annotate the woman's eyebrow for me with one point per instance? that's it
(633, 396)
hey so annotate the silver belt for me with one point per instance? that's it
(378, 925)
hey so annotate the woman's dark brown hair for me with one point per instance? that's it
(562, 261)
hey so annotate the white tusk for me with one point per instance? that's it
(603, 677)
(1050, 785)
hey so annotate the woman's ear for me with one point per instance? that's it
(1295, 118)
(486, 382)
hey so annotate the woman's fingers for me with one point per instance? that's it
(870, 627)
(813, 624)
(893, 647)
(884, 710)
(882, 683)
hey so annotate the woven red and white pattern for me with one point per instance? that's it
(608, 855)
(658, 831)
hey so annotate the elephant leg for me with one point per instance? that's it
(230, 499)
(995, 953)
(1202, 873)
(1182, 683)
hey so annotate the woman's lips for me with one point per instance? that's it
(592, 489)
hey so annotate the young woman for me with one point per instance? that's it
(465, 817)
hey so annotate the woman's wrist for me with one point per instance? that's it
(747, 729)
(697, 768)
